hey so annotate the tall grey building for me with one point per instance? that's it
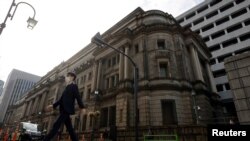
(17, 84)
(225, 27)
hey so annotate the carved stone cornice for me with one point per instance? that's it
(146, 29)
(84, 66)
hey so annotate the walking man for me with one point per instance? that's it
(66, 106)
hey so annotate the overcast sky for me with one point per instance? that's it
(64, 28)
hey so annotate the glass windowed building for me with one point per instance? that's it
(17, 84)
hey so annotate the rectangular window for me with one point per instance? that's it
(230, 42)
(221, 21)
(88, 92)
(214, 2)
(136, 48)
(163, 70)
(245, 37)
(120, 115)
(180, 20)
(168, 112)
(114, 61)
(187, 26)
(247, 22)
(118, 58)
(218, 34)
(234, 27)
(212, 62)
(90, 75)
(81, 94)
(221, 58)
(214, 48)
(206, 39)
(219, 87)
(116, 79)
(242, 50)
(219, 73)
(224, 8)
(190, 15)
(107, 83)
(212, 14)
(239, 13)
(161, 44)
(239, 1)
(113, 81)
(208, 27)
(202, 9)
(197, 31)
(227, 86)
(109, 63)
(198, 21)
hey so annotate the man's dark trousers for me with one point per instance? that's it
(63, 118)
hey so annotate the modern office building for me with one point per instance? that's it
(225, 27)
(175, 81)
(17, 84)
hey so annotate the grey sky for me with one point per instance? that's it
(64, 27)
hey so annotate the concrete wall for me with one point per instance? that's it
(238, 72)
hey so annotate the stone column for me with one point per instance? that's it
(121, 66)
(28, 109)
(109, 84)
(31, 106)
(211, 77)
(34, 108)
(41, 104)
(99, 74)
(24, 110)
(197, 65)
(126, 63)
(50, 123)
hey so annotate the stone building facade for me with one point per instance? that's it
(238, 72)
(174, 77)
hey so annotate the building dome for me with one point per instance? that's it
(157, 17)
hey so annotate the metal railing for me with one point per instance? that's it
(161, 137)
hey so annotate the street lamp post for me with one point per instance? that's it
(31, 21)
(195, 107)
(97, 39)
(94, 115)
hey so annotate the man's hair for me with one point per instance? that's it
(72, 74)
